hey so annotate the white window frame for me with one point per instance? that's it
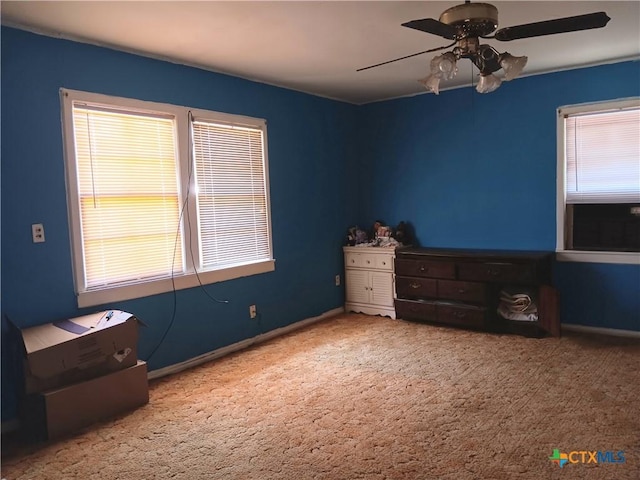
(192, 276)
(562, 253)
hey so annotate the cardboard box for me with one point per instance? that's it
(70, 351)
(54, 413)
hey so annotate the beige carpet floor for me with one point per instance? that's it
(364, 397)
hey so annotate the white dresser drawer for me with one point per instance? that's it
(353, 260)
(384, 262)
(379, 261)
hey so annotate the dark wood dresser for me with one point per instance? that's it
(463, 288)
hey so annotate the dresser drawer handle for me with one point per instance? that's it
(384, 263)
(459, 314)
(368, 261)
(415, 285)
(423, 268)
(461, 290)
(493, 272)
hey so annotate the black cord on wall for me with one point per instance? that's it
(184, 208)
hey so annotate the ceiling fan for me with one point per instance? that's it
(467, 23)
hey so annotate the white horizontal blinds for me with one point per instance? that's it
(232, 196)
(603, 157)
(129, 199)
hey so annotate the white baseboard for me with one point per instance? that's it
(613, 332)
(206, 357)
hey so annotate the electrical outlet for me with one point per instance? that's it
(337, 280)
(252, 311)
(37, 232)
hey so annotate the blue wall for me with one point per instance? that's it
(479, 171)
(473, 170)
(467, 170)
(311, 141)
(599, 295)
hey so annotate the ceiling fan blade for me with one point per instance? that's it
(431, 25)
(406, 56)
(551, 27)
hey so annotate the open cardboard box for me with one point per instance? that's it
(61, 353)
(51, 414)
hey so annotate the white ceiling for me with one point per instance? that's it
(316, 47)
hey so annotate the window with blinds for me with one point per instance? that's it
(128, 196)
(603, 157)
(162, 197)
(600, 160)
(232, 194)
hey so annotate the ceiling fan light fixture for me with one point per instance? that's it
(512, 66)
(431, 83)
(488, 83)
(444, 65)
(467, 23)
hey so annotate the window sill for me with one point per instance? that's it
(629, 258)
(129, 292)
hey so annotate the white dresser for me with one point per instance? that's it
(369, 280)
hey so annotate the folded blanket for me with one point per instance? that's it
(516, 304)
